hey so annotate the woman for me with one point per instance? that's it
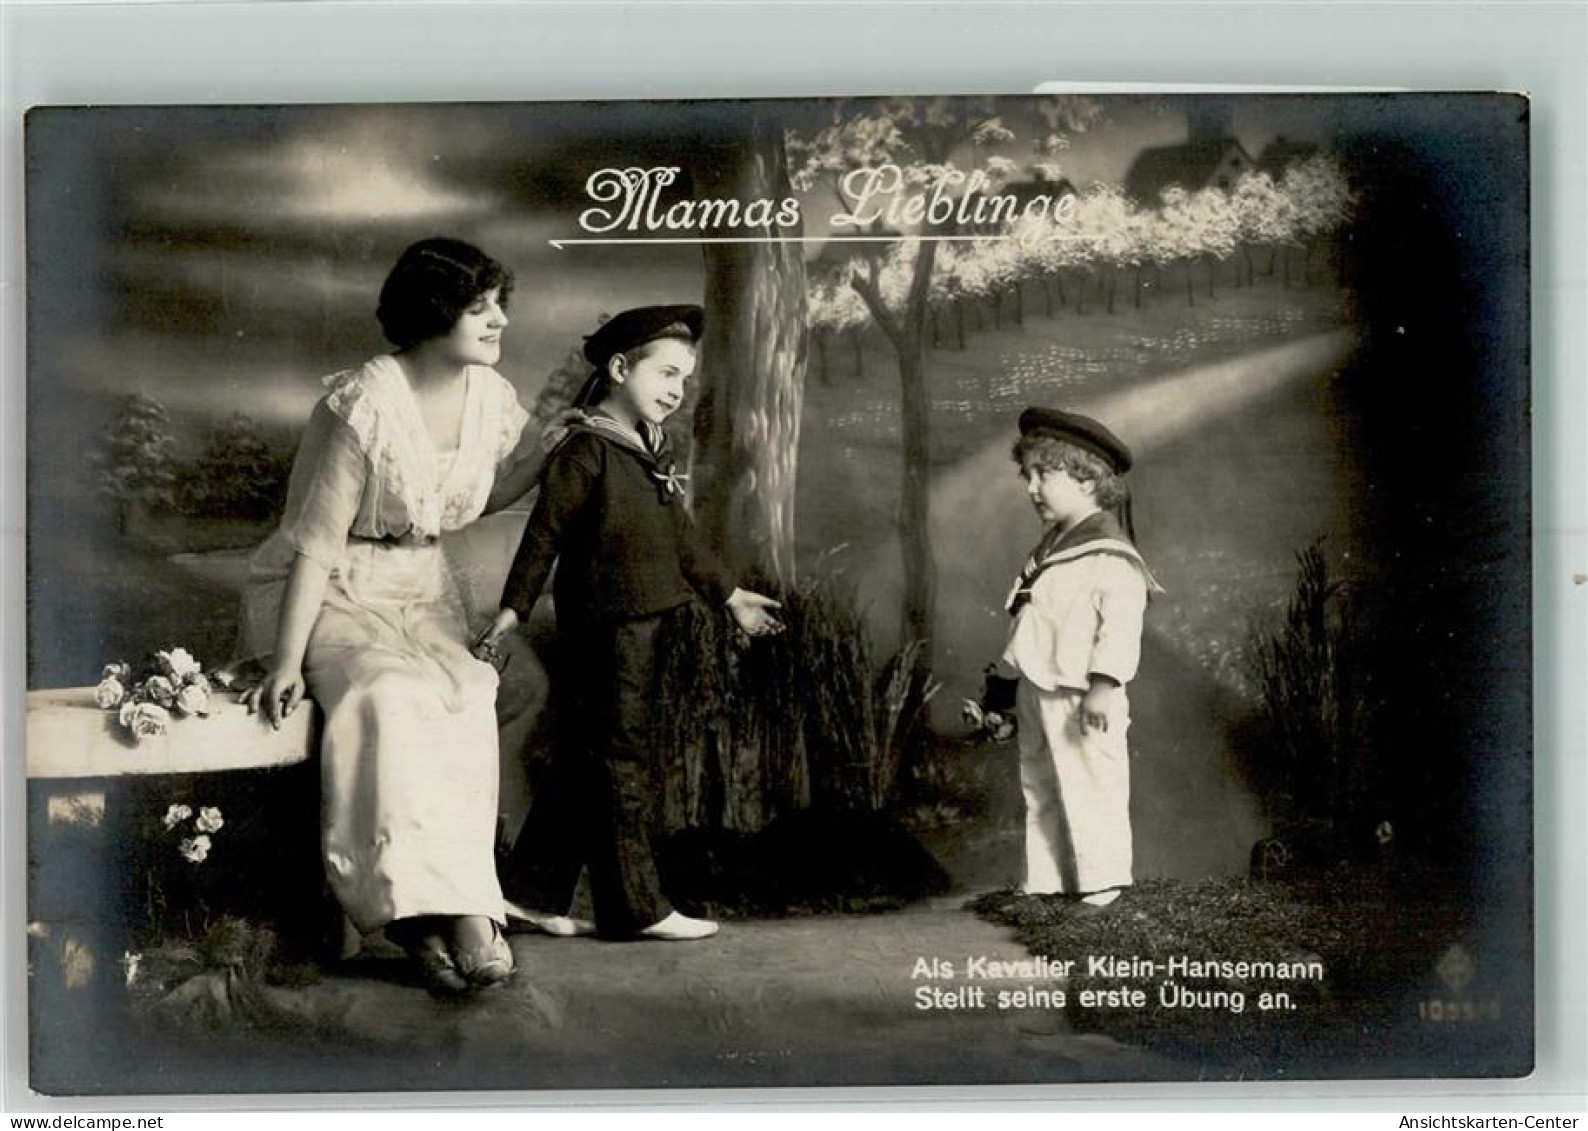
(353, 599)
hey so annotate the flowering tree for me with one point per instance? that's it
(832, 310)
(1111, 230)
(920, 139)
(1321, 201)
(1214, 218)
(1264, 216)
(136, 458)
(1195, 226)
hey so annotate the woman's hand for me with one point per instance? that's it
(488, 645)
(278, 694)
(752, 613)
(554, 433)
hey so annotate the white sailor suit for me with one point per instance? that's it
(1077, 610)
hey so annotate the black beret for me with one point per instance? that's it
(633, 328)
(1082, 431)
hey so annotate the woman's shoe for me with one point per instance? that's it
(680, 928)
(438, 973)
(488, 965)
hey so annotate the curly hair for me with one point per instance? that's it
(1040, 450)
(433, 282)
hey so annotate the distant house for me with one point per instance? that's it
(1193, 166)
(1283, 152)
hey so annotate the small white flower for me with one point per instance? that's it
(193, 700)
(120, 672)
(194, 849)
(209, 820)
(148, 719)
(1384, 833)
(179, 663)
(124, 715)
(160, 690)
(176, 814)
(110, 692)
(971, 712)
(129, 964)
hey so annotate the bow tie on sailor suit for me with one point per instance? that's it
(670, 482)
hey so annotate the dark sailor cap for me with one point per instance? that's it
(633, 328)
(1082, 431)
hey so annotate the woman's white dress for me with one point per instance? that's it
(409, 749)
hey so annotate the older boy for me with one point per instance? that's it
(611, 515)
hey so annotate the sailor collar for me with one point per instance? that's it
(1096, 534)
(648, 442)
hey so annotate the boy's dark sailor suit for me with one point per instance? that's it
(611, 508)
(611, 515)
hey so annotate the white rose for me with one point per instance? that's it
(209, 820)
(194, 849)
(148, 720)
(122, 673)
(109, 693)
(179, 663)
(160, 689)
(193, 700)
(176, 814)
(124, 715)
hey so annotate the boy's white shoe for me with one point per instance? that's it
(678, 927)
(562, 926)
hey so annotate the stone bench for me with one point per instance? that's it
(70, 737)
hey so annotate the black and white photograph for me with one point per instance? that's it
(921, 590)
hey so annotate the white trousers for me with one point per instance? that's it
(1077, 790)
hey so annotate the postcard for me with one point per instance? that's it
(885, 591)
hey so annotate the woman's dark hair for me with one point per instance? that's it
(430, 287)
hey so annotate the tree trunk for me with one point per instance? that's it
(856, 338)
(1213, 277)
(906, 332)
(1136, 290)
(1020, 305)
(1190, 283)
(820, 337)
(959, 323)
(1047, 297)
(752, 370)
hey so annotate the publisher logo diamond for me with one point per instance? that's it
(1456, 968)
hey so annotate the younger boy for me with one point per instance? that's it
(1074, 645)
(611, 515)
